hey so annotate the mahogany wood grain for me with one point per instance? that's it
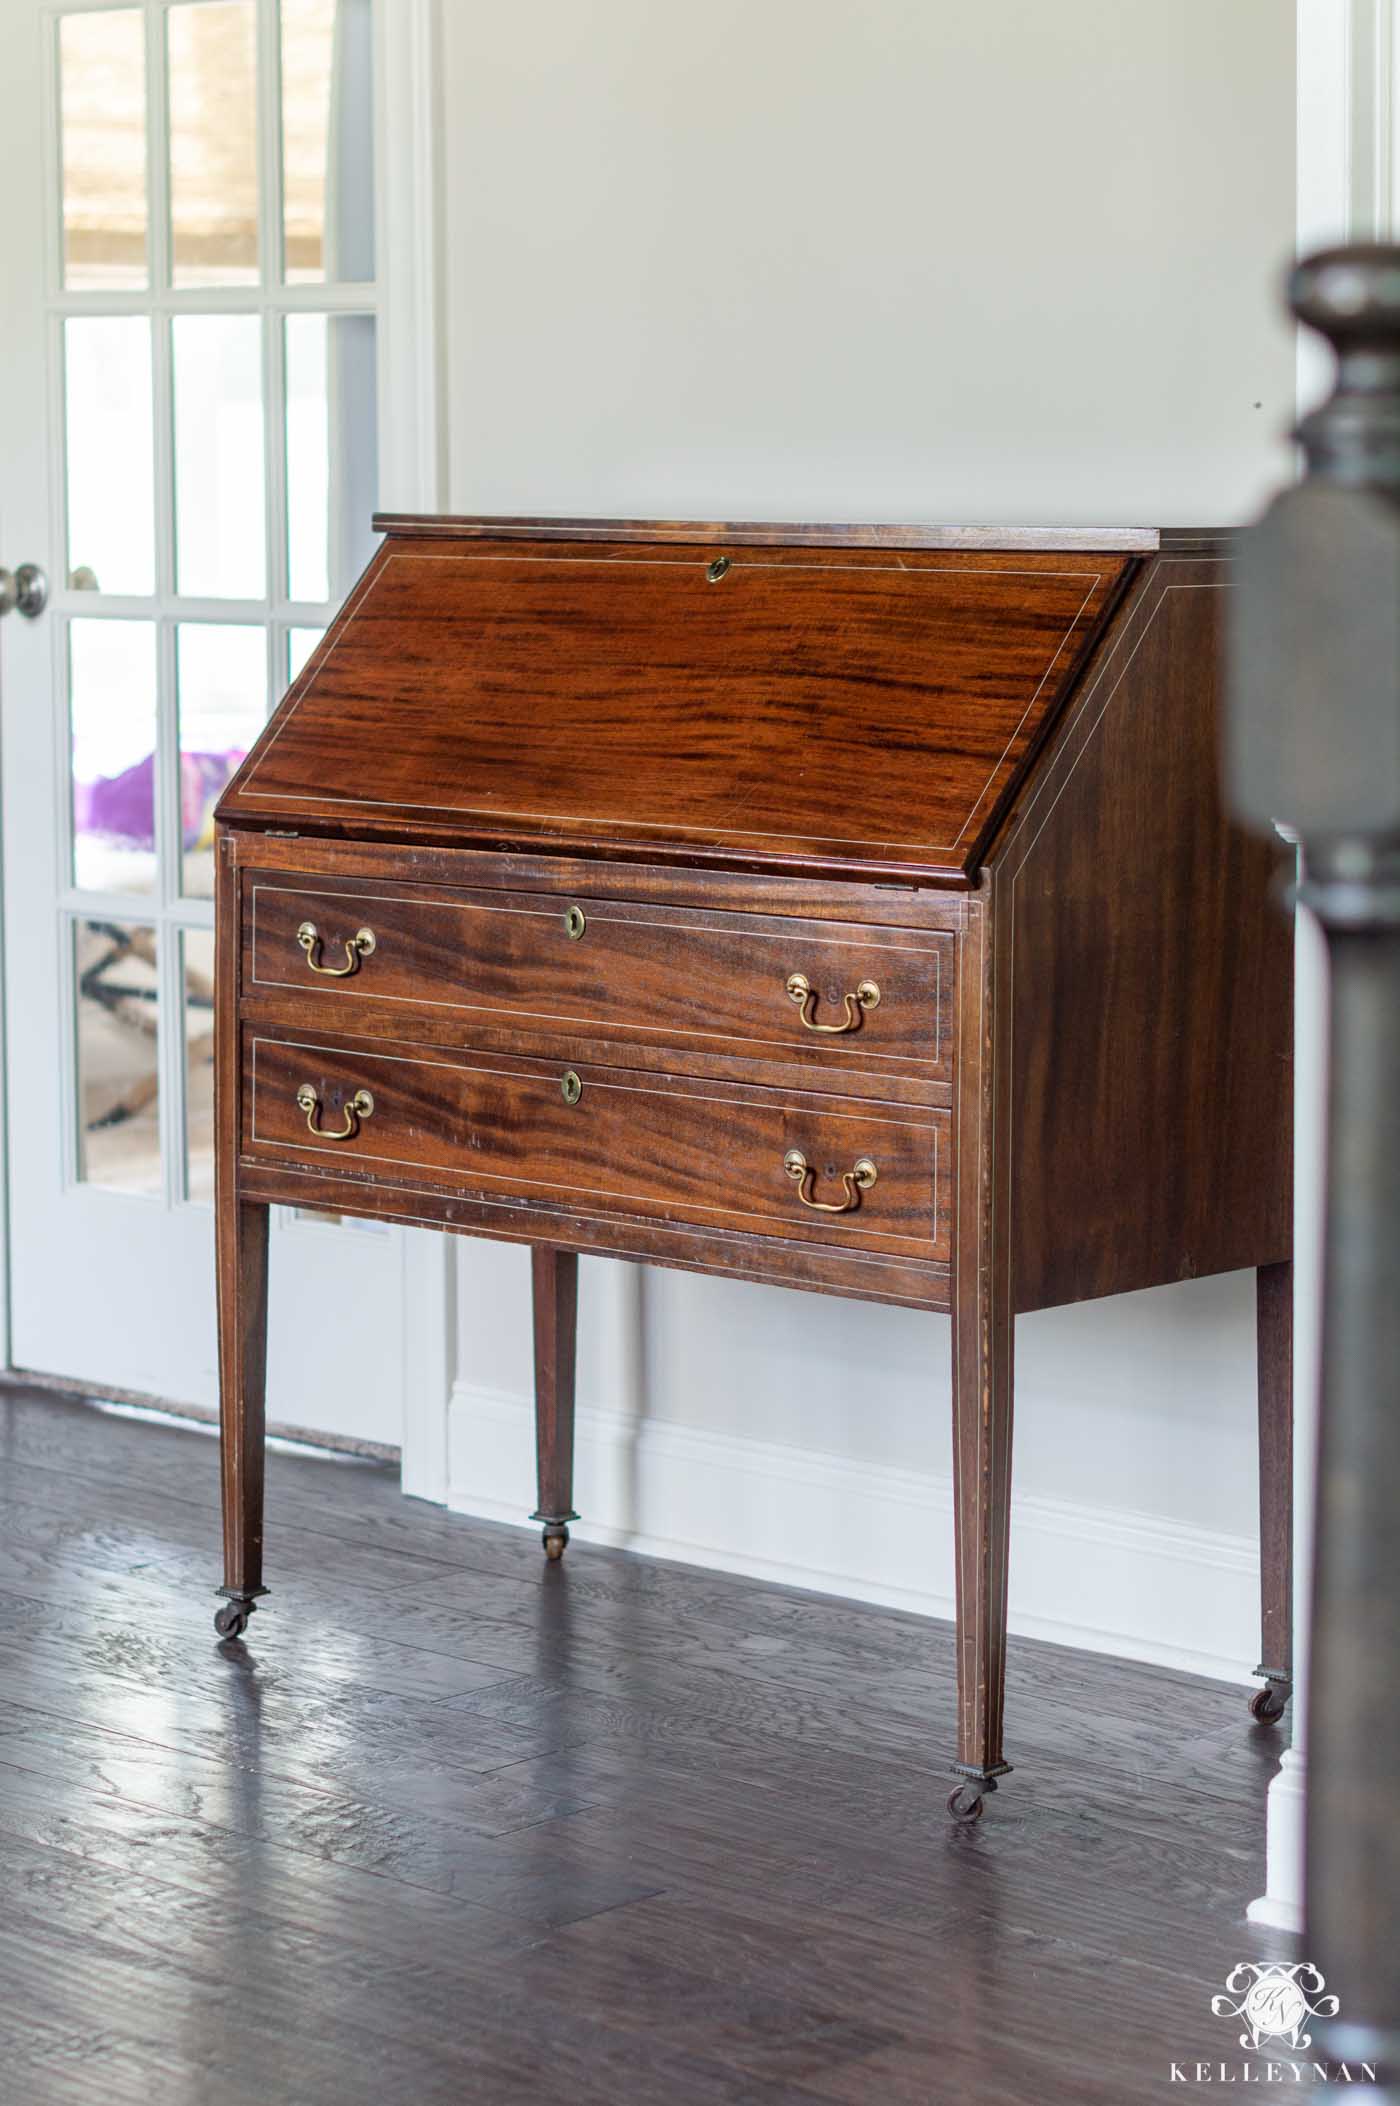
(554, 1296)
(1275, 1322)
(242, 1254)
(1152, 979)
(586, 699)
(983, 1344)
(276, 1012)
(859, 1274)
(707, 981)
(760, 534)
(888, 903)
(241, 1239)
(667, 1145)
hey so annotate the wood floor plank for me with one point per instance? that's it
(572, 1693)
(451, 1825)
(80, 1930)
(616, 1586)
(532, 1873)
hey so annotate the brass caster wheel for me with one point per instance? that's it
(965, 1803)
(1267, 1705)
(231, 1621)
(555, 1541)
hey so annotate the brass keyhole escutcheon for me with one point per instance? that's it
(718, 569)
(571, 1087)
(575, 922)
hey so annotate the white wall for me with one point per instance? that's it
(906, 259)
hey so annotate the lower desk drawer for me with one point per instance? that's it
(779, 1163)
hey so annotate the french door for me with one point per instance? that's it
(190, 362)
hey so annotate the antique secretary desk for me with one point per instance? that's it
(847, 908)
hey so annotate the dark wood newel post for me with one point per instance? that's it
(1314, 741)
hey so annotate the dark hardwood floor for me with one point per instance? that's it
(455, 1825)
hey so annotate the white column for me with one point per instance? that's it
(1282, 1905)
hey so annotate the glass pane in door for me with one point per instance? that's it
(118, 1010)
(332, 452)
(220, 524)
(102, 118)
(110, 459)
(300, 644)
(197, 958)
(212, 56)
(221, 677)
(327, 141)
(112, 714)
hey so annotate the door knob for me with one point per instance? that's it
(26, 588)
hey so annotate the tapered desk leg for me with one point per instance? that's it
(982, 1414)
(1275, 1307)
(242, 1254)
(983, 1335)
(554, 1281)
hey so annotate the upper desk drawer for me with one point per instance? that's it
(763, 985)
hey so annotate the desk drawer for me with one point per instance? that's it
(827, 994)
(603, 1138)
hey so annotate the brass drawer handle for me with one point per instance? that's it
(801, 990)
(357, 947)
(360, 1106)
(856, 1181)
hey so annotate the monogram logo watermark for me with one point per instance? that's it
(1275, 2001)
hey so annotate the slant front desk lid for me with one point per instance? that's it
(808, 705)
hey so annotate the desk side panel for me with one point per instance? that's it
(1145, 997)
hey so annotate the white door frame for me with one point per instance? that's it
(411, 447)
(412, 425)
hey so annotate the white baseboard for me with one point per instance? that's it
(1105, 1580)
(1282, 1907)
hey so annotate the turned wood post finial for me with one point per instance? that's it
(1313, 732)
(1351, 297)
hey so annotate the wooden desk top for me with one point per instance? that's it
(820, 705)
